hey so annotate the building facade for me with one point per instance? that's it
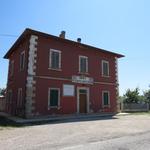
(51, 75)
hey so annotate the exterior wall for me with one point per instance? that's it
(69, 67)
(31, 72)
(70, 60)
(68, 104)
(37, 77)
(17, 80)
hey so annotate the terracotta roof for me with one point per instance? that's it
(28, 31)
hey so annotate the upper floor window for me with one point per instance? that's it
(22, 60)
(11, 67)
(83, 64)
(55, 59)
(105, 98)
(105, 68)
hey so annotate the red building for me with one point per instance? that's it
(52, 75)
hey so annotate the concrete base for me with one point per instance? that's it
(81, 117)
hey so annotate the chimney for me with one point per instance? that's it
(79, 40)
(62, 34)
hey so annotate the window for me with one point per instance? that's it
(11, 67)
(22, 60)
(106, 98)
(83, 64)
(9, 96)
(83, 91)
(19, 99)
(55, 59)
(105, 68)
(54, 97)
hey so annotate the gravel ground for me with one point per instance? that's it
(73, 134)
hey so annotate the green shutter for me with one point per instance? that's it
(83, 65)
(55, 60)
(105, 69)
(22, 61)
(54, 97)
(52, 59)
(106, 98)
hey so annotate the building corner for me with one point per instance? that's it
(31, 82)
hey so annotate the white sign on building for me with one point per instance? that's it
(82, 79)
(68, 90)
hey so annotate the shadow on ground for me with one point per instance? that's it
(4, 122)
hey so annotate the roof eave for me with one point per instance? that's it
(29, 31)
(6, 56)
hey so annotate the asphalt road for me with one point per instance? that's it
(133, 142)
(120, 133)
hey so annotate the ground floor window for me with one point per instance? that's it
(54, 97)
(19, 99)
(9, 96)
(106, 98)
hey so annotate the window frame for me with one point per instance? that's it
(50, 59)
(105, 91)
(9, 97)
(11, 67)
(19, 101)
(49, 92)
(87, 64)
(107, 62)
(22, 53)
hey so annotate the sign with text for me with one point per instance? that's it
(68, 90)
(82, 79)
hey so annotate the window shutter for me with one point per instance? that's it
(105, 98)
(55, 60)
(105, 69)
(83, 65)
(52, 59)
(22, 59)
(53, 97)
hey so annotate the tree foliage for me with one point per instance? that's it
(2, 91)
(132, 96)
(147, 96)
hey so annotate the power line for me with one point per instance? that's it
(8, 35)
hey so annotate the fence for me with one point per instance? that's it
(132, 107)
(2, 103)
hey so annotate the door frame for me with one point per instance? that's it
(87, 98)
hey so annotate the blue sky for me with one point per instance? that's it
(121, 26)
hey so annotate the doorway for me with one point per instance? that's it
(82, 100)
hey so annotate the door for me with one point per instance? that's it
(82, 101)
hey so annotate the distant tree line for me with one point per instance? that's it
(133, 96)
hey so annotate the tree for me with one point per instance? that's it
(132, 96)
(147, 96)
(2, 91)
